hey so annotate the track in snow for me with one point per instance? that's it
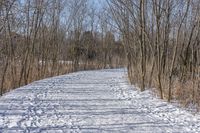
(87, 102)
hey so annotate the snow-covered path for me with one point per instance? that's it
(90, 101)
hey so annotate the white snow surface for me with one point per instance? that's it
(99, 101)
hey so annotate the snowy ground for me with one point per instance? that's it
(87, 102)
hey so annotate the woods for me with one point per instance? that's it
(161, 39)
(45, 38)
(157, 40)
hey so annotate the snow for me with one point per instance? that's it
(90, 101)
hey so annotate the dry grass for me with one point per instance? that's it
(186, 93)
(12, 81)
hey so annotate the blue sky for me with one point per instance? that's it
(98, 3)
